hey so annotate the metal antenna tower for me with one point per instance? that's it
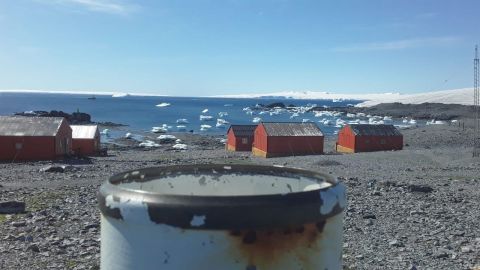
(476, 101)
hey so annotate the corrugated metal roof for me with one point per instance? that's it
(243, 130)
(375, 130)
(29, 126)
(84, 132)
(292, 129)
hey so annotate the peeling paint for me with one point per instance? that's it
(131, 209)
(331, 197)
(198, 221)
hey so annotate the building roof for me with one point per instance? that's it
(374, 130)
(29, 126)
(243, 130)
(292, 129)
(84, 132)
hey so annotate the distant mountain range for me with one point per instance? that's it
(462, 96)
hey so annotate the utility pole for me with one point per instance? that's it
(476, 103)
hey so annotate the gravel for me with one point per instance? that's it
(418, 208)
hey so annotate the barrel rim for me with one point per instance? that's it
(226, 211)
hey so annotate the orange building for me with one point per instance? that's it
(368, 138)
(34, 138)
(287, 139)
(240, 137)
(85, 140)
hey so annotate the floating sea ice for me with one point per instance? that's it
(351, 115)
(148, 143)
(454, 121)
(181, 128)
(256, 120)
(166, 138)
(222, 114)
(387, 120)
(163, 104)
(159, 129)
(128, 135)
(182, 121)
(178, 141)
(221, 123)
(228, 105)
(433, 122)
(412, 122)
(205, 111)
(205, 127)
(363, 122)
(360, 114)
(179, 146)
(306, 121)
(105, 131)
(405, 120)
(340, 122)
(327, 123)
(224, 141)
(206, 118)
(293, 115)
(262, 112)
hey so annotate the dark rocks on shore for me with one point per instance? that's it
(75, 118)
(436, 111)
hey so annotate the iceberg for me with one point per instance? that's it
(205, 127)
(206, 118)
(181, 128)
(163, 104)
(182, 121)
(221, 123)
(162, 129)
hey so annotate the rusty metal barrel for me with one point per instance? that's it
(220, 216)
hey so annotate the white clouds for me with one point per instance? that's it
(118, 7)
(399, 44)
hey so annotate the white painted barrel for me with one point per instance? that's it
(236, 217)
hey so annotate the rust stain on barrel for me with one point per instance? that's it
(265, 248)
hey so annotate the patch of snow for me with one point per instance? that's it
(179, 146)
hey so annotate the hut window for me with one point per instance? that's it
(18, 146)
(382, 141)
(244, 140)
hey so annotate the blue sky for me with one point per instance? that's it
(213, 47)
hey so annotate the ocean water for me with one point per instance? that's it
(140, 113)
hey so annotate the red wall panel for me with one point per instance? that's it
(14, 148)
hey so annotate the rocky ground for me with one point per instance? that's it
(418, 208)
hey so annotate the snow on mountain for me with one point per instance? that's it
(456, 96)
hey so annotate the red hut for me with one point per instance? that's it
(34, 138)
(367, 138)
(287, 139)
(85, 140)
(240, 137)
